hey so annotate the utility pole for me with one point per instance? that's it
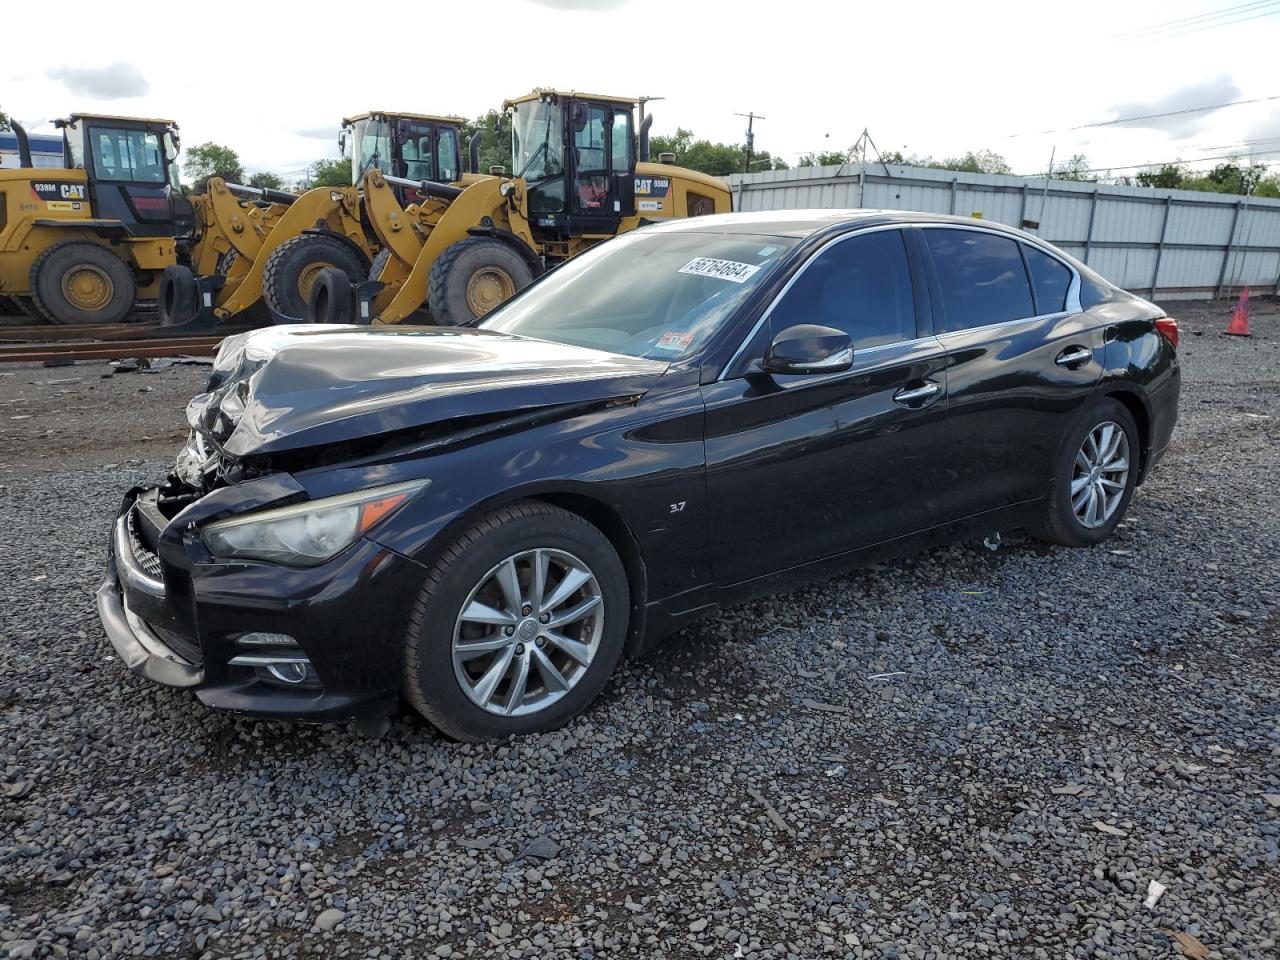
(751, 135)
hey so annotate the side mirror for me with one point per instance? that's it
(342, 142)
(809, 348)
(578, 116)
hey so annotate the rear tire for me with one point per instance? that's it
(77, 282)
(179, 299)
(331, 298)
(434, 674)
(472, 277)
(1087, 466)
(292, 269)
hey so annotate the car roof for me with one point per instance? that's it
(805, 223)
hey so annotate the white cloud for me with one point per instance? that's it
(1217, 90)
(116, 81)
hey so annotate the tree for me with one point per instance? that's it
(826, 158)
(1076, 168)
(330, 173)
(4, 120)
(495, 141)
(211, 160)
(717, 159)
(983, 161)
(266, 180)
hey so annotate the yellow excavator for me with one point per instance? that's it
(253, 247)
(83, 243)
(465, 248)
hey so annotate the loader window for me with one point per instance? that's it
(621, 141)
(537, 154)
(130, 156)
(447, 154)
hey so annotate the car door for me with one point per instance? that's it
(1021, 356)
(805, 467)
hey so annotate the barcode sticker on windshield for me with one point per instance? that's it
(674, 341)
(729, 270)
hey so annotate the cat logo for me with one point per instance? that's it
(72, 191)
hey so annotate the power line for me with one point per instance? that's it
(1145, 116)
(1162, 163)
(1209, 26)
(1194, 21)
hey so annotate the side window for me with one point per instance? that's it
(128, 155)
(621, 141)
(447, 154)
(861, 285)
(982, 277)
(1050, 279)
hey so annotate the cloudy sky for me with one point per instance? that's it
(927, 77)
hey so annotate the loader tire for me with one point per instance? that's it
(379, 262)
(28, 306)
(179, 300)
(331, 298)
(472, 277)
(293, 267)
(77, 282)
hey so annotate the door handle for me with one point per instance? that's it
(929, 389)
(1073, 357)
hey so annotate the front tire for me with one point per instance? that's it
(474, 276)
(293, 267)
(76, 282)
(1094, 477)
(518, 626)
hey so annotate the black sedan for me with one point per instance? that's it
(484, 520)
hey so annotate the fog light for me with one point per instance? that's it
(289, 668)
(291, 672)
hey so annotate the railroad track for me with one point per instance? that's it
(47, 332)
(110, 350)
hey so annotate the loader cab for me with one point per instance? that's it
(131, 172)
(409, 145)
(576, 155)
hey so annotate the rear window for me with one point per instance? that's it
(982, 277)
(1050, 279)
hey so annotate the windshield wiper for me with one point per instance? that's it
(543, 148)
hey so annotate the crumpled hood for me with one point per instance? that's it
(289, 387)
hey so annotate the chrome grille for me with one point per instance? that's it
(142, 554)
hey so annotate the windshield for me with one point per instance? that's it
(655, 295)
(535, 140)
(372, 147)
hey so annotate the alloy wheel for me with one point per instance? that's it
(528, 632)
(1100, 474)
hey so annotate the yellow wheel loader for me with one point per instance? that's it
(465, 248)
(251, 246)
(82, 243)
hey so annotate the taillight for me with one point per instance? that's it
(1168, 328)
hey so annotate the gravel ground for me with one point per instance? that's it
(963, 754)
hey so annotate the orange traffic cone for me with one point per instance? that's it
(1239, 325)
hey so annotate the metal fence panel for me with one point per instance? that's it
(1161, 243)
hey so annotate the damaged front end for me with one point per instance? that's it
(249, 574)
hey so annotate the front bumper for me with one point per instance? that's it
(176, 616)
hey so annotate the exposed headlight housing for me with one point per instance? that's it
(306, 534)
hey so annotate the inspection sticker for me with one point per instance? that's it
(729, 270)
(674, 341)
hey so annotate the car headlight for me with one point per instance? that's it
(308, 533)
